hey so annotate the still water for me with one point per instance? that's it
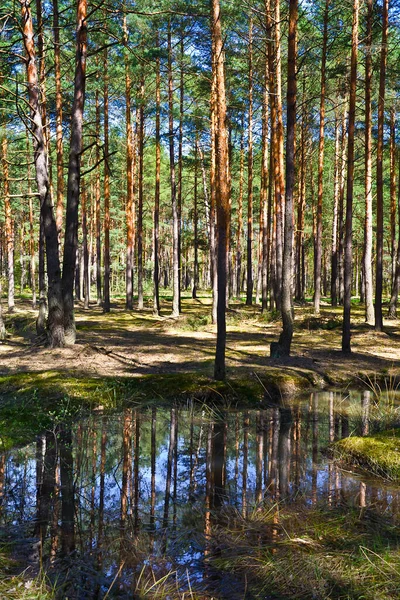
(118, 501)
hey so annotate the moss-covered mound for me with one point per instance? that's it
(378, 454)
(284, 382)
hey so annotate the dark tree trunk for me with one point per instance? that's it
(74, 167)
(55, 326)
(59, 119)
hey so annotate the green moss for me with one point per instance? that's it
(33, 402)
(378, 454)
(280, 382)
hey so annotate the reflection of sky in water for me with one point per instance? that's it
(316, 480)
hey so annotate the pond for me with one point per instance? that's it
(160, 502)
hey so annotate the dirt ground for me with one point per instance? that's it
(132, 343)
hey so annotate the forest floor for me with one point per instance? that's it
(132, 343)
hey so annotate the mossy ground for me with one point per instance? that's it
(378, 454)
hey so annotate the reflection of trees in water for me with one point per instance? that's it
(109, 489)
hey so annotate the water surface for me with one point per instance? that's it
(116, 502)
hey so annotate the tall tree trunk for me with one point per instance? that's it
(9, 225)
(367, 256)
(280, 172)
(55, 325)
(32, 260)
(156, 225)
(59, 119)
(2, 325)
(213, 195)
(222, 184)
(300, 291)
(264, 204)
(249, 287)
(130, 224)
(195, 226)
(346, 347)
(140, 142)
(379, 173)
(180, 162)
(85, 250)
(107, 263)
(334, 251)
(393, 199)
(396, 282)
(318, 242)
(239, 234)
(285, 338)
(74, 168)
(97, 204)
(175, 212)
(341, 206)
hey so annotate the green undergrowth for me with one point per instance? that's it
(293, 552)
(378, 454)
(26, 588)
(33, 402)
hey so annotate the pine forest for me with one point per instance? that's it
(200, 270)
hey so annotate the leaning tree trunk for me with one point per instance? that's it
(350, 184)
(55, 325)
(74, 174)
